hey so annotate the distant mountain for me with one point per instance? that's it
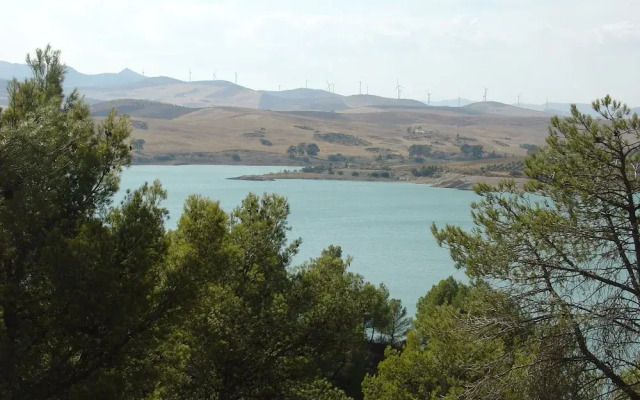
(367, 100)
(321, 100)
(560, 109)
(301, 99)
(9, 70)
(450, 103)
(496, 108)
(80, 80)
(128, 84)
(151, 82)
(74, 78)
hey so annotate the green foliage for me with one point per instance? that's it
(312, 149)
(440, 356)
(138, 144)
(98, 301)
(262, 328)
(292, 151)
(317, 169)
(419, 150)
(301, 149)
(398, 323)
(337, 158)
(85, 299)
(452, 353)
(318, 389)
(427, 171)
(236, 157)
(566, 248)
(341, 138)
(531, 148)
(475, 151)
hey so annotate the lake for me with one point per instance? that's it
(384, 226)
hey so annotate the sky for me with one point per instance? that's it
(561, 51)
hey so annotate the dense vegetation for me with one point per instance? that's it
(566, 252)
(98, 300)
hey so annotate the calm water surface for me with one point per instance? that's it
(384, 226)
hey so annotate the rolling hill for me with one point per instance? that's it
(496, 108)
(140, 108)
(128, 84)
(178, 134)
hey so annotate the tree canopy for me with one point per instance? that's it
(98, 300)
(567, 247)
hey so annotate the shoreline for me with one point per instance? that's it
(451, 180)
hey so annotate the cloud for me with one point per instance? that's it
(543, 48)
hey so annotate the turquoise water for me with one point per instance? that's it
(384, 226)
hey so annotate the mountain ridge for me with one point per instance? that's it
(128, 84)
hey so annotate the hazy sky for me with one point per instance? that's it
(569, 51)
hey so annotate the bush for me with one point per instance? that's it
(336, 157)
(265, 142)
(355, 173)
(530, 148)
(475, 151)
(312, 149)
(383, 174)
(235, 157)
(317, 169)
(426, 171)
(417, 150)
(341, 138)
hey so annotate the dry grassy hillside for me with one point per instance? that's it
(187, 94)
(365, 132)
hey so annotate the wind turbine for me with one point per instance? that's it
(485, 94)
(428, 98)
(236, 82)
(189, 74)
(458, 101)
(214, 74)
(399, 88)
(142, 72)
(519, 99)
(360, 90)
(331, 87)
(306, 84)
(278, 87)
